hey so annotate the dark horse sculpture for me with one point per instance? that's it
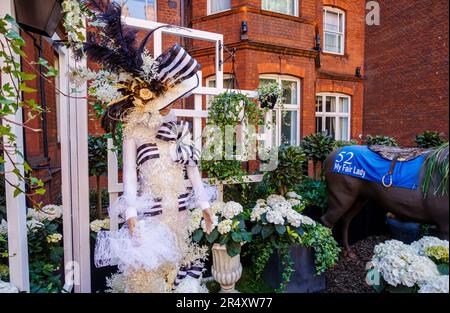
(347, 195)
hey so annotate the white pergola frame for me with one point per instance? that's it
(74, 162)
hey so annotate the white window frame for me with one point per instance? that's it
(336, 114)
(208, 8)
(213, 78)
(296, 9)
(122, 2)
(339, 34)
(286, 107)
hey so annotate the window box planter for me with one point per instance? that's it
(304, 278)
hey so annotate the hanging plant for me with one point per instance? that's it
(230, 109)
(269, 95)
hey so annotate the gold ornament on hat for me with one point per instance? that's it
(137, 90)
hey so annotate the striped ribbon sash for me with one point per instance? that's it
(146, 152)
(194, 270)
(178, 131)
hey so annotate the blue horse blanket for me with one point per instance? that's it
(361, 162)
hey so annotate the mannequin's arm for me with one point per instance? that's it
(129, 177)
(197, 184)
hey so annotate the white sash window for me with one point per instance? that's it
(216, 6)
(289, 7)
(333, 113)
(334, 30)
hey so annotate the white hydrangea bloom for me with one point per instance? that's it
(216, 207)
(33, 225)
(294, 202)
(294, 218)
(3, 227)
(435, 285)
(293, 195)
(96, 225)
(224, 227)
(307, 220)
(426, 242)
(261, 202)
(274, 199)
(48, 212)
(231, 209)
(215, 221)
(257, 211)
(398, 264)
(275, 217)
(195, 220)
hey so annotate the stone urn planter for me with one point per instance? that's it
(226, 270)
(304, 278)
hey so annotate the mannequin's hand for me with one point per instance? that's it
(132, 224)
(208, 220)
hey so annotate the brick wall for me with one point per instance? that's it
(407, 70)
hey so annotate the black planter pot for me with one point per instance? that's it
(406, 232)
(303, 279)
(270, 102)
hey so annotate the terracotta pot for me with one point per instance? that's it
(226, 270)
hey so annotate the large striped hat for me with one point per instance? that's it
(178, 70)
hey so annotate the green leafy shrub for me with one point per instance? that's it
(429, 139)
(381, 140)
(45, 250)
(317, 147)
(289, 171)
(344, 143)
(313, 192)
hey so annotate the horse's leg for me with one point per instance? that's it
(346, 220)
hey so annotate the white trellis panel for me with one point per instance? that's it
(15, 206)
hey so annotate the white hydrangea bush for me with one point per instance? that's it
(228, 227)
(402, 265)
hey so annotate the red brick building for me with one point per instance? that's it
(407, 70)
(278, 40)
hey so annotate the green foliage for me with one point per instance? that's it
(45, 258)
(229, 109)
(381, 140)
(326, 249)
(429, 139)
(344, 143)
(11, 100)
(268, 91)
(97, 150)
(289, 171)
(313, 192)
(436, 168)
(318, 146)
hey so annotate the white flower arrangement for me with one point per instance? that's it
(422, 244)
(98, 225)
(231, 209)
(435, 285)
(54, 238)
(224, 227)
(400, 264)
(49, 212)
(278, 211)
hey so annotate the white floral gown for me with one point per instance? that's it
(159, 257)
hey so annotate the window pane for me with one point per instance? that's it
(331, 21)
(331, 44)
(319, 105)
(319, 124)
(341, 23)
(211, 83)
(343, 125)
(330, 104)
(343, 105)
(289, 91)
(330, 126)
(142, 9)
(280, 6)
(219, 5)
(289, 128)
(265, 81)
(228, 83)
